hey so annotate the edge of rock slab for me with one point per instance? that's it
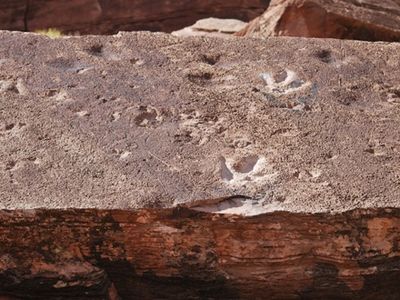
(180, 253)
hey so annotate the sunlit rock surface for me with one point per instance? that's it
(369, 20)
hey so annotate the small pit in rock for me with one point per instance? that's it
(147, 117)
(10, 126)
(210, 59)
(96, 50)
(246, 164)
(324, 56)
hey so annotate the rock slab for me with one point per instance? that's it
(150, 166)
(369, 20)
(212, 27)
(151, 120)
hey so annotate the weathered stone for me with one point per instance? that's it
(220, 25)
(142, 119)
(370, 20)
(186, 135)
(181, 254)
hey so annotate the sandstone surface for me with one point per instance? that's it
(149, 166)
(371, 20)
(143, 120)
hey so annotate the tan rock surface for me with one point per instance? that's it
(212, 27)
(220, 25)
(142, 120)
(372, 20)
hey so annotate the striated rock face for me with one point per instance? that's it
(147, 166)
(111, 16)
(369, 20)
(180, 254)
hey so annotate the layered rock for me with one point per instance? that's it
(105, 17)
(181, 254)
(149, 166)
(344, 19)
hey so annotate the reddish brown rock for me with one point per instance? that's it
(66, 16)
(182, 254)
(111, 16)
(13, 14)
(370, 20)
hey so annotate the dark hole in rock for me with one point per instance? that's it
(200, 77)
(324, 55)
(210, 59)
(281, 76)
(96, 50)
(10, 126)
(146, 117)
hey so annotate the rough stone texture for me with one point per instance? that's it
(145, 121)
(372, 20)
(148, 120)
(182, 254)
(111, 16)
